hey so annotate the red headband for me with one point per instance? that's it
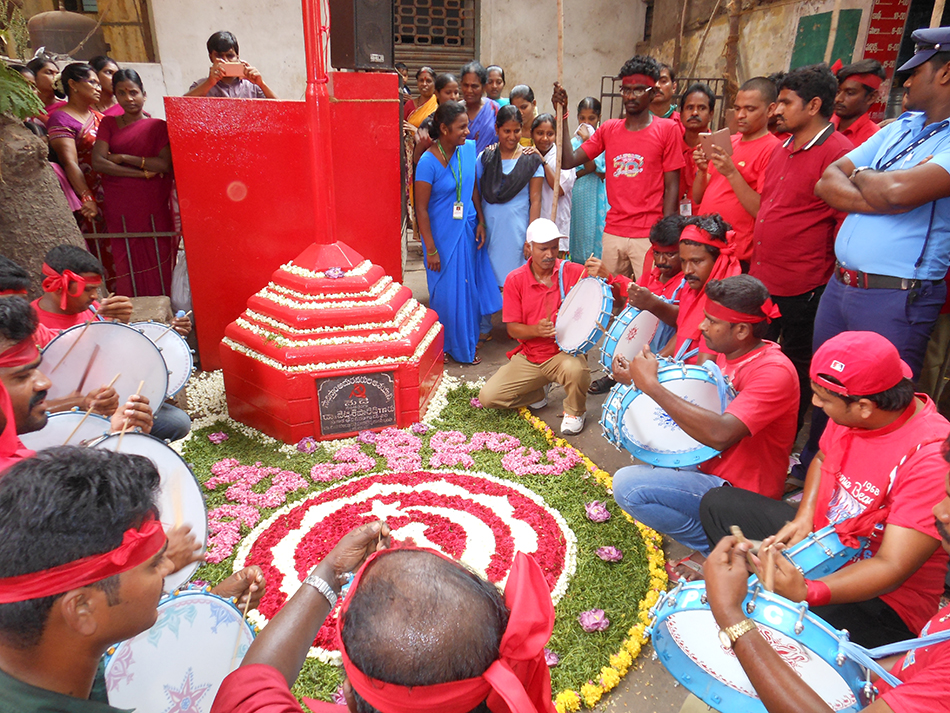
(20, 354)
(665, 248)
(7, 293)
(719, 311)
(635, 79)
(870, 80)
(59, 283)
(137, 547)
(517, 682)
(698, 235)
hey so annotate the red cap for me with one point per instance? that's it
(865, 362)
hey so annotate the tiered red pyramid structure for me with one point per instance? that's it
(327, 352)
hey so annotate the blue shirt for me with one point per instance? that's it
(892, 244)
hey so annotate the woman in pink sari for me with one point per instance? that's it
(106, 68)
(72, 132)
(133, 155)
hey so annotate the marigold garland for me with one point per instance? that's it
(591, 692)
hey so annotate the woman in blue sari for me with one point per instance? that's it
(480, 109)
(462, 286)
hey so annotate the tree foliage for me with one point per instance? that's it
(17, 98)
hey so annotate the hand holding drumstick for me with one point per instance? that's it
(135, 413)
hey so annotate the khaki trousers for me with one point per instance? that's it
(521, 382)
(624, 256)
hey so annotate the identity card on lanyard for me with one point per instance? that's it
(458, 210)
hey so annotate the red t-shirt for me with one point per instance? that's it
(750, 158)
(926, 685)
(43, 335)
(259, 688)
(875, 463)
(688, 172)
(527, 301)
(860, 131)
(767, 403)
(650, 278)
(60, 322)
(636, 162)
(793, 242)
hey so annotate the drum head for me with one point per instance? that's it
(122, 350)
(175, 351)
(639, 331)
(198, 640)
(60, 426)
(180, 501)
(579, 317)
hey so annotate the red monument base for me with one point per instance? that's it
(327, 352)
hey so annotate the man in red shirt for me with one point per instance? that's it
(696, 108)
(532, 298)
(793, 251)
(754, 434)
(644, 159)
(730, 185)
(857, 91)
(879, 472)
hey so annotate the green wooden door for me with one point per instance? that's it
(812, 38)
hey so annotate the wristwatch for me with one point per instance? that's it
(731, 634)
(858, 170)
(324, 588)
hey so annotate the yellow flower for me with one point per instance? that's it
(591, 693)
(567, 701)
(633, 647)
(621, 661)
(609, 678)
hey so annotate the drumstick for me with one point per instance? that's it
(89, 411)
(125, 425)
(72, 346)
(237, 644)
(85, 374)
(170, 328)
(737, 533)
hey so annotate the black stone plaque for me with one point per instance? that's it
(356, 403)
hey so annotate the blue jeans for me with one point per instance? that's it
(171, 423)
(666, 500)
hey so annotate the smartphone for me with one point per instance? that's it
(719, 138)
(233, 69)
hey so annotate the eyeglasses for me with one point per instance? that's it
(634, 91)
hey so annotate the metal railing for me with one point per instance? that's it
(104, 255)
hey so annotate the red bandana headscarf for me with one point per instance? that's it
(11, 448)
(517, 682)
(59, 283)
(770, 311)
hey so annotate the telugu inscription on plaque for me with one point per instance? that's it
(356, 403)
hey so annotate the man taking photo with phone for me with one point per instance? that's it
(230, 76)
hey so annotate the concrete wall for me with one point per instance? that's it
(270, 34)
(598, 38)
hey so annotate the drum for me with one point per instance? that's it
(121, 350)
(198, 640)
(648, 432)
(180, 501)
(631, 331)
(685, 637)
(60, 426)
(610, 417)
(583, 316)
(821, 553)
(175, 351)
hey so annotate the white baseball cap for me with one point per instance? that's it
(543, 230)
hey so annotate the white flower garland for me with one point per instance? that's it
(357, 271)
(276, 298)
(286, 563)
(411, 306)
(384, 282)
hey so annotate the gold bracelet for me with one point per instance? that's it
(143, 163)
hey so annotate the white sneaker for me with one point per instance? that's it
(572, 425)
(543, 402)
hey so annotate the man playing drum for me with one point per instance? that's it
(531, 298)
(659, 286)
(755, 433)
(82, 562)
(878, 474)
(924, 672)
(706, 252)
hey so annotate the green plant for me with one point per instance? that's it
(17, 98)
(14, 33)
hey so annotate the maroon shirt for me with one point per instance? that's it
(793, 242)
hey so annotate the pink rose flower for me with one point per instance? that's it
(308, 444)
(597, 511)
(593, 620)
(609, 554)
(218, 438)
(419, 428)
(338, 697)
(551, 658)
(475, 403)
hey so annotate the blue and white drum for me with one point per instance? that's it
(64, 429)
(583, 316)
(651, 435)
(180, 500)
(821, 553)
(180, 662)
(631, 331)
(178, 356)
(685, 637)
(610, 418)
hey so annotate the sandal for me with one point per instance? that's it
(485, 338)
(686, 570)
(601, 386)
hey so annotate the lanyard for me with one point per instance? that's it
(921, 138)
(458, 178)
